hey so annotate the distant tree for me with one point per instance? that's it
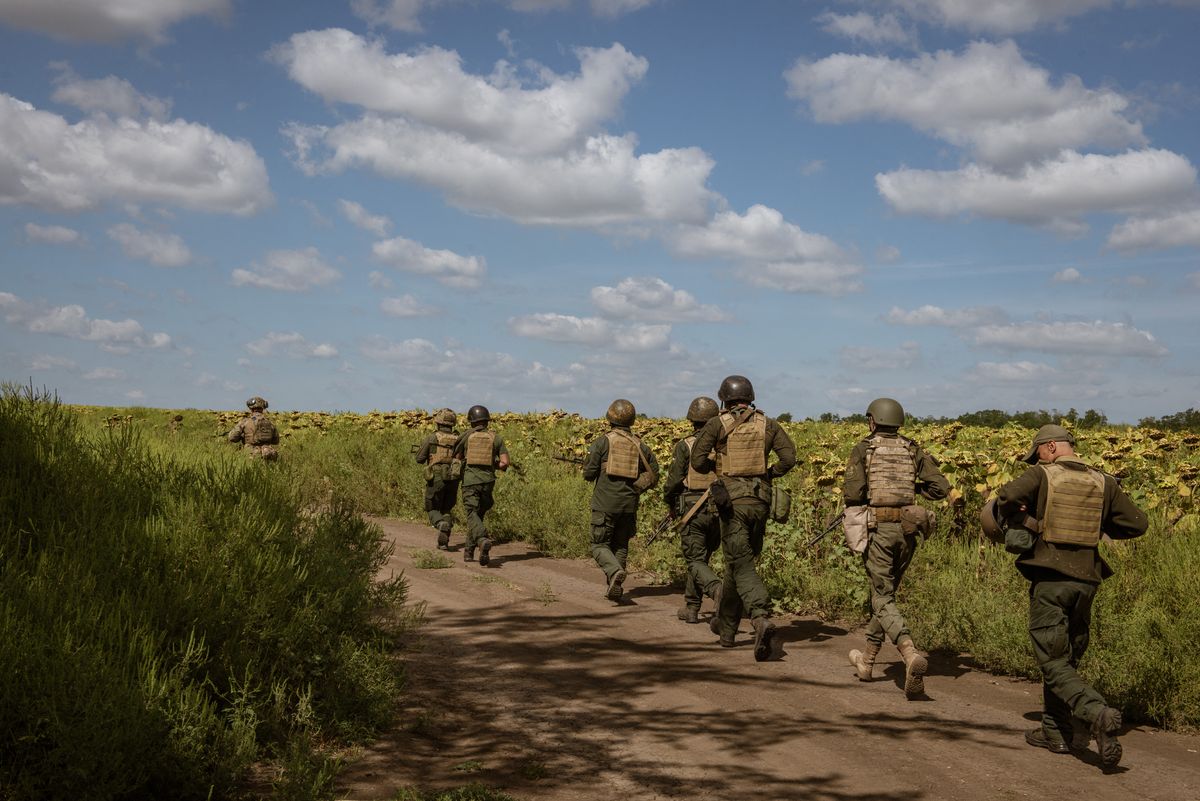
(785, 417)
(1180, 421)
(829, 417)
(1093, 419)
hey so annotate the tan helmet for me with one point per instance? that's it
(621, 412)
(256, 404)
(445, 417)
(886, 412)
(989, 522)
(702, 409)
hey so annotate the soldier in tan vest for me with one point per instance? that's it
(701, 536)
(483, 453)
(256, 432)
(737, 444)
(884, 474)
(442, 474)
(1072, 507)
(622, 468)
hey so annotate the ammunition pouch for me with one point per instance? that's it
(454, 470)
(887, 514)
(855, 527)
(781, 504)
(915, 519)
(646, 479)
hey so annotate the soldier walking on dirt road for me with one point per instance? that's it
(1073, 506)
(484, 453)
(737, 444)
(442, 474)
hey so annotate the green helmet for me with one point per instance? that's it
(256, 403)
(445, 417)
(736, 388)
(702, 409)
(886, 412)
(621, 412)
(478, 414)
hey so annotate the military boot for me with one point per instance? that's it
(764, 633)
(864, 661)
(915, 667)
(689, 614)
(714, 625)
(485, 549)
(468, 554)
(443, 536)
(616, 586)
(1104, 729)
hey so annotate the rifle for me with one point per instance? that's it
(662, 526)
(569, 459)
(828, 528)
(414, 448)
(679, 523)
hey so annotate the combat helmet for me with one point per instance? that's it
(445, 417)
(702, 409)
(990, 523)
(621, 412)
(478, 414)
(736, 388)
(886, 412)
(256, 404)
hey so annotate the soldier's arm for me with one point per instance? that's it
(423, 452)
(930, 481)
(596, 454)
(648, 455)
(854, 483)
(1022, 491)
(238, 432)
(705, 442)
(500, 452)
(1125, 521)
(784, 449)
(673, 487)
(460, 447)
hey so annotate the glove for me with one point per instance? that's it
(1018, 540)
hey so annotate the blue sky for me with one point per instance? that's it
(537, 204)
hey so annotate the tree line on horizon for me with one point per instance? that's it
(1188, 420)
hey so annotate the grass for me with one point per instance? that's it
(468, 792)
(426, 559)
(545, 594)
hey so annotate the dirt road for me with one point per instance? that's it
(526, 679)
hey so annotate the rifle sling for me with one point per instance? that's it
(687, 518)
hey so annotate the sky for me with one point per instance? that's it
(536, 204)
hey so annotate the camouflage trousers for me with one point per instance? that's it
(440, 497)
(888, 555)
(477, 500)
(699, 540)
(743, 526)
(611, 533)
(1060, 619)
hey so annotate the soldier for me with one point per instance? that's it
(622, 468)
(701, 536)
(883, 476)
(484, 453)
(742, 439)
(256, 432)
(442, 474)
(1073, 506)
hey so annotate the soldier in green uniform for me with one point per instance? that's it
(701, 536)
(442, 474)
(622, 468)
(483, 453)
(883, 476)
(256, 432)
(737, 444)
(1057, 511)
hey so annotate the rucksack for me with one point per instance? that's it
(263, 431)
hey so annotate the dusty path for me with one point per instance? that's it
(525, 678)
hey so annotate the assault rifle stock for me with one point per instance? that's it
(659, 530)
(559, 457)
(828, 528)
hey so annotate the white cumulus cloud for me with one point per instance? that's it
(1068, 276)
(1022, 372)
(593, 332)
(290, 344)
(886, 29)
(106, 20)
(104, 374)
(406, 306)
(72, 321)
(46, 161)
(929, 315)
(47, 362)
(52, 234)
(854, 357)
(445, 265)
(110, 95)
(1168, 230)
(1098, 337)
(163, 250)
(377, 224)
(288, 271)
(653, 299)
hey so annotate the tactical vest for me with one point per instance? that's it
(260, 430)
(1074, 505)
(891, 471)
(745, 445)
(480, 446)
(624, 455)
(696, 481)
(443, 448)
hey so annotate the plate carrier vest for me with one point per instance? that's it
(693, 481)
(745, 445)
(891, 471)
(443, 447)
(624, 454)
(1074, 505)
(480, 447)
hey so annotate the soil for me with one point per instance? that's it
(526, 679)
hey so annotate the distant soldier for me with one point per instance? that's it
(256, 432)
(738, 444)
(701, 535)
(484, 453)
(883, 476)
(622, 468)
(442, 474)
(1054, 515)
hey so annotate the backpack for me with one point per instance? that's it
(262, 431)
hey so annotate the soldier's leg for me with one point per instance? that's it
(624, 529)
(739, 527)
(1052, 605)
(884, 549)
(695, 555)
(602, 541)
(471, 498)
(431, 493)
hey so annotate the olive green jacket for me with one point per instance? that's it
(931, 483)
(1049, 561)
(612, 495)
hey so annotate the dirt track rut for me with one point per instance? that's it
(525, 678)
